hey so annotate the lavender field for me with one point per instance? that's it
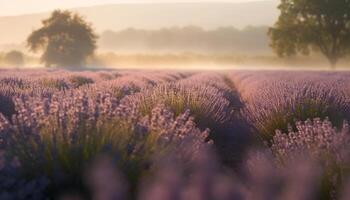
(158, 135)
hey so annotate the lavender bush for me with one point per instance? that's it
(78, 81)
(7, 107)
(206, 103)
(143, 135)
(274, 100)
(56, 138)
(320, 142)
(59, 84)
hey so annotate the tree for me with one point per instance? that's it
(313, 25)
(66, 39)
(15, 58)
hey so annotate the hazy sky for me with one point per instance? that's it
(17, 7)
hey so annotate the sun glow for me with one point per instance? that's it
(19, 7)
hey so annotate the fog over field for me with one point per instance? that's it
(150, 17)
(175, 99)
(161, 33)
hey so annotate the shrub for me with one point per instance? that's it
(320, 142)
(306, 103)
(57, 137)
(207, 105)
(59, 84)
(7, 106)
(78, 81)
(15, 83)
(106, 76)
(15, 58)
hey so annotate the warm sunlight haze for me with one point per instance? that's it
(19, 7)
(174, 100)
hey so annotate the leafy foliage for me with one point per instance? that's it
(66, 39)
(306, 25)
(14, 58)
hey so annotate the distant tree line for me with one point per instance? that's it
(12, 58)
(66, 39)
(188, 38)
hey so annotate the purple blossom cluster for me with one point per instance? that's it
(206, 103)
(313, 139)
(208, 97)
(320, 142)
(38, 83)
(173, 135)
(260, 178)
(54, 137)
(274, 99)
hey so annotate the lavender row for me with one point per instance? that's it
(274, 99)
(276, 173)
(50, 140)
(41, 83)
(144, 135)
